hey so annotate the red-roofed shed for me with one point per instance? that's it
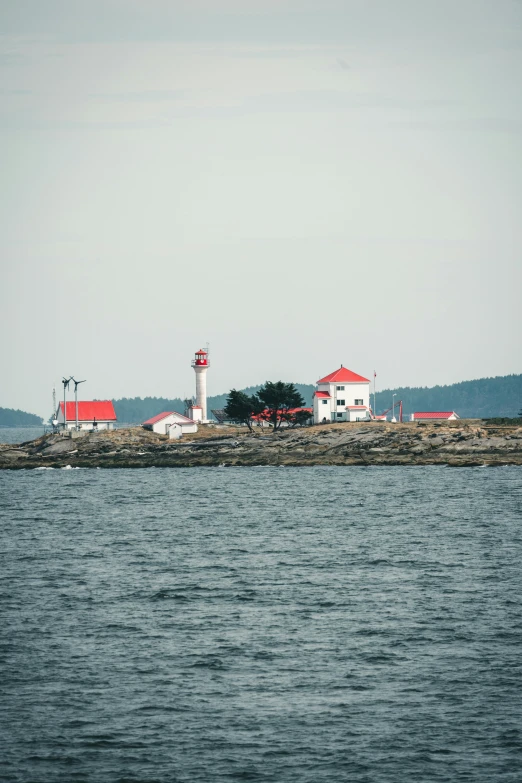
(92, 414)
(434, 415)
(163, 422)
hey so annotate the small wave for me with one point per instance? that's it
(177, 594)
(209, 662)
(379, 658)
(155, 709)
(247, 595)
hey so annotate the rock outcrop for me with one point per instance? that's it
(459, 443)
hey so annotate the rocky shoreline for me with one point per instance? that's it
(458, 444)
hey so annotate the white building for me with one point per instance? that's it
(342, 396)
(195, 412)
(92, 415)
(164, 421)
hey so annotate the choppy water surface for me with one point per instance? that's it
(307, 624)
(21, 434)
(24, 434)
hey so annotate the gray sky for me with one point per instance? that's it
(302, 183)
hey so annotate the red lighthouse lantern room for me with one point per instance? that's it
(201, 358)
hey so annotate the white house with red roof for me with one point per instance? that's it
(163, 422)
(92, 415)
(342, 396)
(434, 416)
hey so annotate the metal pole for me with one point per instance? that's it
(64, 410)
(76, 384)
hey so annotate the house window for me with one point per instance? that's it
(340, 388)
(339, 415)
(358, 402)
(341, 402)
(325, 402)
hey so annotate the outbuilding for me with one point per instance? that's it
(434, 416)
(164, 421)
(92, 415)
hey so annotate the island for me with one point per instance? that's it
(455, 443)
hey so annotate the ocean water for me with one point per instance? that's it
(21, 434)
(24, 434)
(261, 624)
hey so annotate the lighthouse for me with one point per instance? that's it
(200, 363)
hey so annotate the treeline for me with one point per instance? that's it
(480, 399)
(9, 417)
(135, 410)
(483, 398)
(306, 390)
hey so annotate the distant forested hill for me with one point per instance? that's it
(484, 398)
(480, 399)
(9, 417)
(136, 410)
(220, 400)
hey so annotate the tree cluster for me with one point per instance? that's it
(274, 403)
(9, 417)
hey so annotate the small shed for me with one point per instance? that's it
(434, 416)
(162, 422)
(195, 413)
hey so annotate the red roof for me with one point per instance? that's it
(202, 351)
(164, 415)
(321, 394)
(343, 375)
(264, 416)
(159, 417)
(101, 410)
(434, 414)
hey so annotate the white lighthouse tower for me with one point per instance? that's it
(200, 363)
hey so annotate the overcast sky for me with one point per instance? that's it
(301, 183)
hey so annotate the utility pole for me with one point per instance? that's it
(76, 384)
(66, 382)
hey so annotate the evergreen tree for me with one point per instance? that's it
(300, 418)
(241, 407)
(278, 398)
